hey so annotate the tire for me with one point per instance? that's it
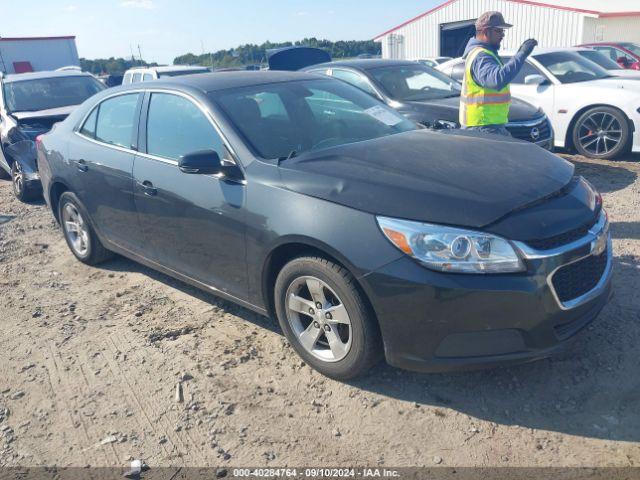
(344, 350)
(81, 238)
(601, 132)
(21, 189)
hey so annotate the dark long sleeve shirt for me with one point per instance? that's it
(486, 70)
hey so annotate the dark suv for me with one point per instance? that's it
(302, 197)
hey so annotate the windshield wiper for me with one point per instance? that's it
(292, 154)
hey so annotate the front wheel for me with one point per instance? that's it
(21, 188)
(325, 318)
(601, 132)
(78, 232)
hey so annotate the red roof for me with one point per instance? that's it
(526, 2)
(20, 39)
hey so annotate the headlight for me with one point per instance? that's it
(449, 249)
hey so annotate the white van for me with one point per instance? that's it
(144, 74)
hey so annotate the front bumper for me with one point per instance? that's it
(432, 321)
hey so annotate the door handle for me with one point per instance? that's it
(148, 188)
(82, 165)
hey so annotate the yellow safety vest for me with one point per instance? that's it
(479, 105)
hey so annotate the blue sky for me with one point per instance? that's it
(167, 28)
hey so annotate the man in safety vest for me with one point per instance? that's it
(485, 99)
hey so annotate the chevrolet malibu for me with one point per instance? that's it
(304, 198)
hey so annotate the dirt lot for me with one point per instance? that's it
(90, 358)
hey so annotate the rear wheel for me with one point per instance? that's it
(21, 188)
(79, 234)
(325, 318)
(601, 132)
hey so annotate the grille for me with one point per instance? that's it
(563, 238)
(576, 279)
(525, 132)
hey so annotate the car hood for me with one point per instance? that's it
(51, 112)
(449, 176)
(614, 83)
(627, 74)
(448, 108)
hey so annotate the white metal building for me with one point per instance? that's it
(33, 54)
(445, 29)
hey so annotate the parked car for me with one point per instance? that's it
(146, 74)
(433, 61)
(605, 62)
(304, 198)
(625, 54)
(30, 104)
(425, 96)
(591, 111)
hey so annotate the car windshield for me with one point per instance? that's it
(281, 120)
(177, 73)
(632, 47)
(415, 82)
(569, 67)
(600, 59)
(46, 93)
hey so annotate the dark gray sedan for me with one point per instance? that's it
(304, 198)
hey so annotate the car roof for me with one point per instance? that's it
(210, 82)
(170, 68)
(19, 77)
(363, 63)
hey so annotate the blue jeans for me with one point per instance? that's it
(494, 129)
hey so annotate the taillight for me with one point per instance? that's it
(38, 140)
(635, 66)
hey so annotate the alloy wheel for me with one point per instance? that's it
(318, 319)
(76, 229)
(600, 133)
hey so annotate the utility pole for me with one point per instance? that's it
(140, 54)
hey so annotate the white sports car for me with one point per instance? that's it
(589, 109)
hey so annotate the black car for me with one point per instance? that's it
(427, 96)
(30, 104)
(304, 198)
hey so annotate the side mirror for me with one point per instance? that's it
(208, 162)
(535, 80)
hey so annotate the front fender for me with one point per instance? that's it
(24, 152)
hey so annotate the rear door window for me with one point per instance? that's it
(354, 79)
(89, 127)
(116, 120)
(176, 127)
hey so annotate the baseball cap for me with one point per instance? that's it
(491, 20)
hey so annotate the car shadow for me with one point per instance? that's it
(625, 230)
(606, 177)
(592, 389)
(122, 264)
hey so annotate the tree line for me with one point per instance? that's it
(249, 54)
(102, 66)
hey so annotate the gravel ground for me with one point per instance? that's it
(91, 358)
